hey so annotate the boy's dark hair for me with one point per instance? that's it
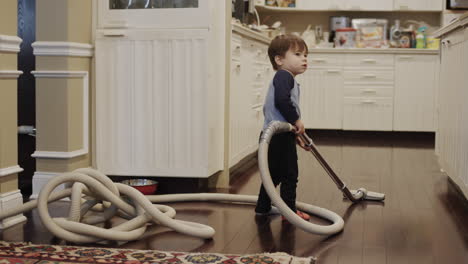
(282, 43)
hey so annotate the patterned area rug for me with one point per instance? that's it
(26, 253)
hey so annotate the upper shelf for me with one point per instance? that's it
(337, 9)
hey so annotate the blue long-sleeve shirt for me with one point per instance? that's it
(282, 99)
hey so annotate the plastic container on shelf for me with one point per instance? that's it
(345, 38)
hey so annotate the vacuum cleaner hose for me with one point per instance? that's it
(95, 198)
(337, 222)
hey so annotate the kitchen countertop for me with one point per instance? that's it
(459, 23)
(247, 32)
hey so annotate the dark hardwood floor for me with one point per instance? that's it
(423, 220)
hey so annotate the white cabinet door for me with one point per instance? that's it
(322, 98)
(369, 5)
(415, 92)
(419, 5)
(154, 105)
(360, 113)
(320, 4)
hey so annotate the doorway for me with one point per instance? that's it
(26, 94)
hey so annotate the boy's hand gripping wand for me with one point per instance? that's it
(352, 195)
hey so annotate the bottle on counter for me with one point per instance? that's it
(421, 38)
(395, 35)
(309, 36)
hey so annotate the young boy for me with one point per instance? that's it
(288, 56)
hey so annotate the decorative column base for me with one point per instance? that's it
(10, 200)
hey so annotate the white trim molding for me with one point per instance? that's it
(85, 149)
(60, 74)
(10, 43)
(59, 154)
(7, 201)
(61, 48)
(10, 170)
(4, 74)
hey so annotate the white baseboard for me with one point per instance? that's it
(39, 180)
(10, 200)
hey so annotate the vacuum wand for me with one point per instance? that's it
(352, 195)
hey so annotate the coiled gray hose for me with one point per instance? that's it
(92, 191)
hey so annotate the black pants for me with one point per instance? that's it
(282, 162)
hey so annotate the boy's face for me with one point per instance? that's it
(294, 61)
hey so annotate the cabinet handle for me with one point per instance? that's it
(369, 75)
(114, 33)
(116, 24)
(257, 107)
(406, 57)
(404, 7)
(333, 71)
(368, 102)
(319, 60)
(369, 60)
(238, 66)
(369, 91)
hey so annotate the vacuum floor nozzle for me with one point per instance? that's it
(370, 196)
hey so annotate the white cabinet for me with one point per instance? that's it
(322, 98)
(368, 5)
(368, 92)
(360, 113)
(415, 92)
(419, 5)
(159, 106)
(319, 4)
(365, 5)
(157, 110)
(251, 73)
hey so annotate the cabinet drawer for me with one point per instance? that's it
(257, 51)
(261, 55)
(257, 98)
(368, 91)
(368, 113)
(325, 60)
(260, 74)
(369, 60)
(368, 76)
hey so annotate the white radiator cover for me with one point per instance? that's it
(158, 112)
